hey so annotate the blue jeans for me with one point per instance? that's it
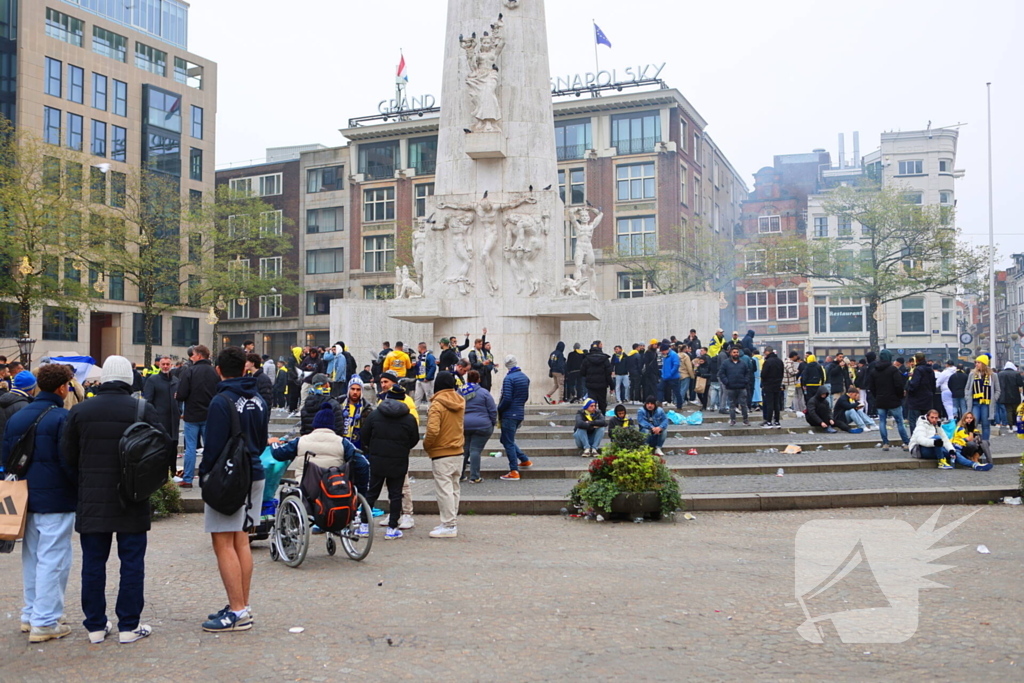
(897, 416)
(192, 432)
(131, 550)
(960, 406)
(508, 441)
(683, 390)
(1001, 414)
(476, 439)
(588, 439)
(45, 566)
(931, 452)
(715, 396)
(656, 440)
(980, 411)
(859, 418)
(668, 389)
(621, 388)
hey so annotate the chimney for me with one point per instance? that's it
(842, 151)
(856, 149)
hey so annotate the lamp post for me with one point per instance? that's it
(25, 346)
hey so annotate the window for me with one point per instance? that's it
(163, 154)
(324, 220)
(184, 331)
(10, 321)
(696, 147)
(270, 267)
(118, 189)
(682, 183)
(948, 314)
(120, 98)
(572, 139)
(320, 261)
(75, 182)
(270, 306)
(99, 92)
(51, 125)
(682, 134)
(150, 59)
(319, 303)
(118, 143)
(378, 254)
(754, 261)
(946, 198)
(572, 186)
(238, 311)
(270, 185)
(945, 166)
(378, 160)
(636, 133)
(271, 222)
(195, 164)
(913, 197)
(767, 224)
(109, 44)
(261, 186)
(787, 304)
(379, 204)
(197, 122)
(75, 123)
(839, 314)
(63, 27)
(115, 290)
(423, 155)
(195, 247)
(570, 238)
(97, 186)
(60, 324)
(139, 329)
(422, 191)
(697, 203)
(76, 84)
(636, 236)
(845, 227)
(239, 269)
(378, 291)
(635, 181)
(327, 179)
(821, 226)
(163, 109)
(757, 306)
(911, 167)
(912, 314)
(631, 286)
(99, 138)
(195, 201)
(54, 77)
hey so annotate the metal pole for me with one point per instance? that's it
(991, 241)
(597, 62)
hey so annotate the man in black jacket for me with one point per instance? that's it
(198, 387)
(735, 376)
(920, 390)
(651, 370)
(596, 373)
(449, 357)
(91, 445)
(556, 371)
(773, 372)
(319, 396)
(254, 368)
(819, 413)
(573, 385)
(635, 366)
(159, 391)
(886, 384)
(389, 433)
(24, 386)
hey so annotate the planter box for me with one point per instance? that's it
(633, 505)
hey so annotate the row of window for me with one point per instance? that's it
(916, 167)
(786, 304)
(269, 222)
(270, 306)
(61, 324)
(834, 314)
(70, 178)
(115, 46)
(378, 257)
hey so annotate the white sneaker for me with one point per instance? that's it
(97, 637)
(406, 522)
(444, 532)
(658, 452)
(143, 631)
(384, 519)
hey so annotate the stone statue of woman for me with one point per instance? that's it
(484, 78)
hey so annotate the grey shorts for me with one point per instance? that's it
(216, 522)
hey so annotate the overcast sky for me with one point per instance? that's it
(769, 78)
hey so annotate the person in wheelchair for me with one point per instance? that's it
(326, 450)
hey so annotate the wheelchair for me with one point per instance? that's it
(292, 527)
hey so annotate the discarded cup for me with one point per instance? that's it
(495, 454)
(692, 451)
(688, 516)
(552, 424)
(846, 447)
(819, 448)
(599, 518)
(780, 472)
(983, 549)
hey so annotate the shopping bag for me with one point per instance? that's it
(701, 386)
(13, 509)
(674, 417)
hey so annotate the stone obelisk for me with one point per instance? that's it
(492, 251)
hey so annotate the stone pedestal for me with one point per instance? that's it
(486, 146)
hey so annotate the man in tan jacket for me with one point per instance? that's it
(687, 376)
(444, 443)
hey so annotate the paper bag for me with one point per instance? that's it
(13, 509)
(701, 385)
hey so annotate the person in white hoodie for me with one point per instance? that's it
(942, 384)
(930, 442)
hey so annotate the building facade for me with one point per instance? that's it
(114, 81)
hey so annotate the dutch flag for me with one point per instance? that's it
(403, 73)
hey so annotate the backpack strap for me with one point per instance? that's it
(140, 410)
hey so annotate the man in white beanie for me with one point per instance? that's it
(90, 443)
(515, 392)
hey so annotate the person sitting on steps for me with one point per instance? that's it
(590, 427)
(653, 422)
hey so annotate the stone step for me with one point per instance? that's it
(567, 447)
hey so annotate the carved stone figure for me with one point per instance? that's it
(572, 286)
(523, 241)
(410, 289)
(487, 213)
(586, 220)
(484, 77)
(511, 4)
(419, 246)
(459, 226)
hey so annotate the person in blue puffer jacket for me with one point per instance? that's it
(477, 425)
(669, 384)
(515, 392)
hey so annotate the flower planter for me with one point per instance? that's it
(633, 505)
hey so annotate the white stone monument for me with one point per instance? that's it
(493, 255)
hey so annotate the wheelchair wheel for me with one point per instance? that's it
(292, 530)
(358, 547)
(332, 547)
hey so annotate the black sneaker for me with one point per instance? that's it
(229, 622)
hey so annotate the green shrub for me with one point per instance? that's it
(626, 470)
(166, 500)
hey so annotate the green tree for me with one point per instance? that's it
(692, 258)
(45, 237)
(900, 249)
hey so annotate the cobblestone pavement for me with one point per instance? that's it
(544, 599)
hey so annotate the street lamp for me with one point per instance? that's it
(25, 346)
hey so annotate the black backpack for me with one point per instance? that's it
(228, 484)
(24, 448)
(144, 458)
(334, 505)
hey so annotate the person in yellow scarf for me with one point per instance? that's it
(981, 393)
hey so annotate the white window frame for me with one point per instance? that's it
(237, 312)
(635, 289)
(922, 309)
(787, 304)
(267, 185)
(947, 196)
(771, 224)
(271, 221)
(682, 182)
(271, 267)
(820, 221)
(380, 197)
(629, 181)
(844, 227)
(948, 315)
(644, 222)
(696, 196)
(911, 167)
(757, 306)
(388, 246)
(271, 306)
(420, 193)
(753, 257)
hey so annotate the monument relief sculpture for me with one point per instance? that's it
(586, 220)
(523, 241)
(484, 77)
(459, 227)
(407, 287)
(419, 246)
(572, 286)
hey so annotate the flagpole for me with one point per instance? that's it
(597, 61)
(991, 242)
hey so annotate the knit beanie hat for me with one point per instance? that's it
(117, 369)
(444, 380)
(589, 402)
(885, 355)
(356, 379)
(391, 375)
(324, 418)
(511, 362)
(983, 359)
(25, 381)
(319, 379)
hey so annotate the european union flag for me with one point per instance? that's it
(602, 39)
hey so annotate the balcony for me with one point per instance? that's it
(378, 171)
(426, 168)
(636, 145)
(569, 152)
